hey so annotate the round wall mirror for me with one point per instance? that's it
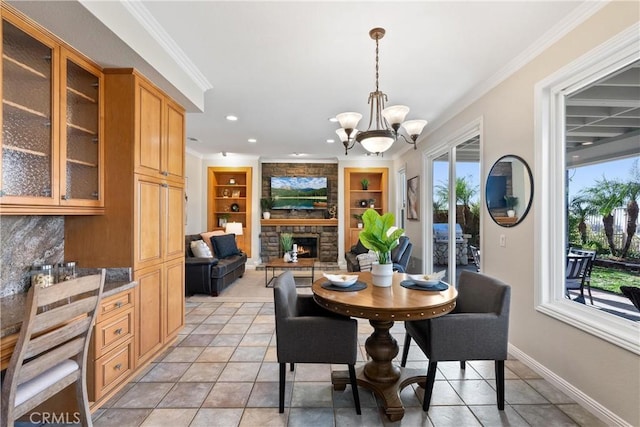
(509, 190)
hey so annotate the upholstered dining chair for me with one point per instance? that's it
(51, 351)
(477, 329)
(307, 333)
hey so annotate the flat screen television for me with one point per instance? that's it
(293, 192)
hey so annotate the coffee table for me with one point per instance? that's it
(280, 264)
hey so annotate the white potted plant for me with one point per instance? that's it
(512, 202)
(379, 237)
(266, 204)
(286, 239)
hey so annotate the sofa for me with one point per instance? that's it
(211, 275)
(400, 256)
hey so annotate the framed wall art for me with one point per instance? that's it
(413, 198)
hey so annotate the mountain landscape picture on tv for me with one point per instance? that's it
(292, 192)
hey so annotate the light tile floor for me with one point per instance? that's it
(222, 371)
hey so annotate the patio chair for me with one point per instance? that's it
(577, 267)
(587, 273)
(475, 252)
(633, 293)
(307, 333)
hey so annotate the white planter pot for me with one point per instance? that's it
(266, 215)
(511, 213)
(382, 274)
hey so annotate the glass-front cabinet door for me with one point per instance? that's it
(81, 140)
(29, 149)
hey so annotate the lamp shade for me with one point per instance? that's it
(414, 127)
(234, 228)
(349, 120)
(377, 144)
(395, 114)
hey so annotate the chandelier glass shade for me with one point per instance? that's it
(384, 123)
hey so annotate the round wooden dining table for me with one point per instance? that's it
(383, 306)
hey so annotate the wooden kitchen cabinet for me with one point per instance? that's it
(52, 124)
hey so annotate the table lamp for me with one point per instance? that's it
(233, 227)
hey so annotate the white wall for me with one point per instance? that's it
(194, 184)
(604, 374)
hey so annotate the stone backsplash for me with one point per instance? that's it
(25, 241)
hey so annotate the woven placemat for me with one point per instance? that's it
(409, 284)
(358, 286)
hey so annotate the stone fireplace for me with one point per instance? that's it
(309, 227)
(324, 233)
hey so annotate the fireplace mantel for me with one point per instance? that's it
(299, 221)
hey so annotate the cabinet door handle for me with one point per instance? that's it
(118, 331)
(165, 173)
(118, 367)
(165, 185)
(118, 304)
(63, 197)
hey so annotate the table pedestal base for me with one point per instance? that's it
(389, 393)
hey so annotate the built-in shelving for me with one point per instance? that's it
(230, 187)
(375, 194)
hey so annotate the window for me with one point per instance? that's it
(564, 102)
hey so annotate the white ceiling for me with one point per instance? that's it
(285, 68)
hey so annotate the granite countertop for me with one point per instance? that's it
(12, 307)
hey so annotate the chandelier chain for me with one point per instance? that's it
(377, 66)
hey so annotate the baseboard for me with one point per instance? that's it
(604, 414)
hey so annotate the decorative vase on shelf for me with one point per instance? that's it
(511, 213)
(266, 215)
(287, 257)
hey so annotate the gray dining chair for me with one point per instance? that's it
(307, 333)
(477, 329)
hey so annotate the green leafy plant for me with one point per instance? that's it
(377, 236)
(357, 216)
(365, 183)
(512, 201)
(286, 239)
(266, 204)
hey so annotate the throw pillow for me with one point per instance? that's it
(200, 249)
(366, 260)
(225, 246)
(206, 237)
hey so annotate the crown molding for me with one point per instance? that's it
(555, 33)
(158, 33)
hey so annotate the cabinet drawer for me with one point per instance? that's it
(113, 368)
(115, 304)
(111, 332)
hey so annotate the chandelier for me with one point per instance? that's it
(384, 123)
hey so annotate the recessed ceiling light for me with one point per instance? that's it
(587, 143)
(575, 156)
(192, 139)
(252, 140)
(331, 141)
(231, 118)
(333, 119)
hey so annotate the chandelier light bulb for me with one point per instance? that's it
(395, 114)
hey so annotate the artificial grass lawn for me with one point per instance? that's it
(610, 279)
